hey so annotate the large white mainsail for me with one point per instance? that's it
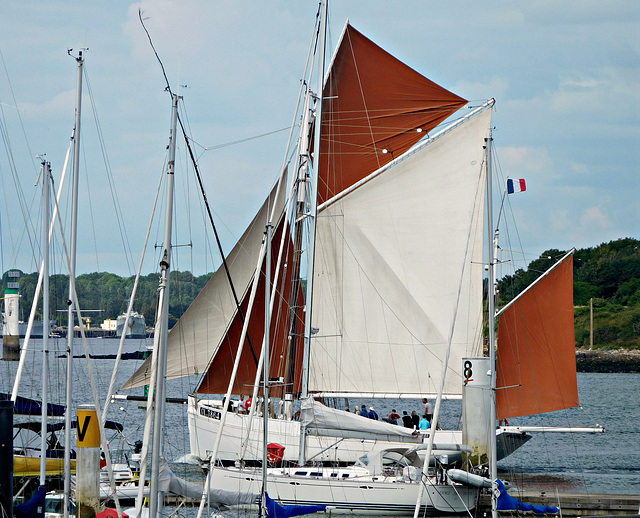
(390, 256)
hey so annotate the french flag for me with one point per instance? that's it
(516, 185)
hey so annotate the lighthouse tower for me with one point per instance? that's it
(11, 331)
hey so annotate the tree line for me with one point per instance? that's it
(109, 295)
(608, 275)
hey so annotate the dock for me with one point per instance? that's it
(571, 504)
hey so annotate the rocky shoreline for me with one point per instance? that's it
(618, 360)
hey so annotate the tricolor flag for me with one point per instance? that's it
(516, 185)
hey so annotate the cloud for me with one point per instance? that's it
(55, 107)
(594, 219)
(532, 163)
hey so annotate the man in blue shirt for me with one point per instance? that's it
(372, 414)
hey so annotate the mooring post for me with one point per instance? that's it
(88, 462)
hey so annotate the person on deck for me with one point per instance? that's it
(393, 417)
(363, 411)
(372, 414)
(424, 423)
(428, 408)
(406, 420)
(415, 420)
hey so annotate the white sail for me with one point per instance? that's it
(315, 415)
(399, 261)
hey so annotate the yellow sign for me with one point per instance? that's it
(88, 429)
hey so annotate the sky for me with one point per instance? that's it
(565, 76)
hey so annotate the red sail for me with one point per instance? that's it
(218, 374)
(373, 102)
(536, 366)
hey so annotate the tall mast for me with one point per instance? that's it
(313, 214)
(493, 462)
(46, 172)
(265, 375)
(162, 324)
(72, 274)
(302, 178)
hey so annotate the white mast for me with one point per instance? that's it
(46, 173)
(493, 462)
(265, 375)
(162, 324)
(313, 214)
(72, 273)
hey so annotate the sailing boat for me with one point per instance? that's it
(390, 339)
(393, 315)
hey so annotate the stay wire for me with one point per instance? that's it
(24, 206)
(204, 195)
(109, 174)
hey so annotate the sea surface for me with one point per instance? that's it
(583, 463)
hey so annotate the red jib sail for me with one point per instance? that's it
(536, 366)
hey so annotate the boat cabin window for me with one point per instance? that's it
(363, 461)
(301, 473)
(393, 458)
(55, 505)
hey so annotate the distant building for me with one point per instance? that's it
(109, 324)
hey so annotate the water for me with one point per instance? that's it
(584, 463)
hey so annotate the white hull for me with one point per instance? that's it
(357, 495)
(204, 420)
(135, 329)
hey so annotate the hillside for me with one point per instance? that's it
(610, 275)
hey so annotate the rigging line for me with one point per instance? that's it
(90, 204)
(240, 141)
(197, 171)
(508, 223)
(107, 163)
(15, 103)
(366, 109)
(23, 204)
(215, 232)
(133, 292)
(382, 300)
(25, 207)
(164, 73)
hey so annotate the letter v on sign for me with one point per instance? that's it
(88, 429)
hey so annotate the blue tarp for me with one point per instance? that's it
(26, 406)
(275, 510)
(32, 508)
(506, 502)
(36, 426)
